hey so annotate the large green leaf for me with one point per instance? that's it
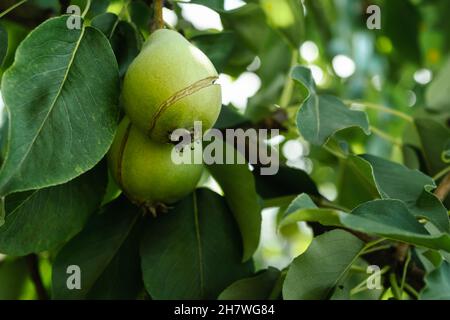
(123, 37)
(3, 44)
(321, 116)
(260, 287)
(287, 17)
(438, 93)
(43, 219)
(63, 118)
(434, 138)
(391, 219)
(238, 185)
(107, 253)
(395, 181)
(437, 284)
(194, 251)
(314, 274)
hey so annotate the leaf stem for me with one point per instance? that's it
(33, 267)
(86, 9)
(385, 136)
(362, 286)
(442, 173)
(380, 248)
(334, 153)
(394, 286)
(381, 108)
(288, 89)
(12, 8)
(405, 271)
(411, 290)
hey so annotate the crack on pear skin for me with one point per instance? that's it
(177, 96)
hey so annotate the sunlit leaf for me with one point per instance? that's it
(314, 274)
(63, 118)
(321, 116)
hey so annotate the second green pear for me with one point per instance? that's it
(145, 169)
(170, 85)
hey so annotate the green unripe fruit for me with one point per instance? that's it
(145, 171)
(170, 85)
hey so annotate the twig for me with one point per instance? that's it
(443, 189)
(33, 268)
(381, 108)
(386, 136)
(158, 22)
(441, 173)
(12, 8)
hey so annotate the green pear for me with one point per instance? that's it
(145, 169)
(169, 85)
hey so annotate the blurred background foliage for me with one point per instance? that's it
(254, 44)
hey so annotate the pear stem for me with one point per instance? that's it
(158, 17)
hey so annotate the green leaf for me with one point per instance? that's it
(437, 284)
(287, 181)
(13, 276)
(259, 287)
(194, 251)
(3, 44)
(141, 14)
(314, 274)
(390, 179)
(97, 6)
(321, 116)
(216, 5)
(438, 93)
(63, 118)
(250, 25)
(123, 37)
(287, 17)
(352, 280)
(430, 259)
(391, 219)
(229, 117)
(304, 209)
(434, 138)
(238, 185)
(109, 263)
(356, 174)
(217, 46)
(42, 219)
